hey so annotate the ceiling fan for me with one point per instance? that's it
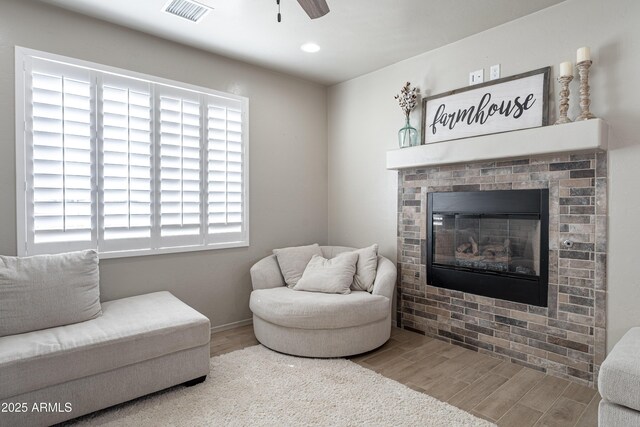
(314, 8)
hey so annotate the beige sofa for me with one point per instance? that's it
(139, 345)
(316, 324)
(619, 383)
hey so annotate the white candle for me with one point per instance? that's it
(566, 69)
(584, 54)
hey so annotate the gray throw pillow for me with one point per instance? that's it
(294, 260)
(45, 291)
(331, 276)
(366, 269)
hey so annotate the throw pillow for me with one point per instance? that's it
(331, 276)
(366, 268)
(45, 291)
(294, 260)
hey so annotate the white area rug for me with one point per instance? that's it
(259, 387)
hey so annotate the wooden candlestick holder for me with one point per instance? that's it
(564, 99)
(583, 69)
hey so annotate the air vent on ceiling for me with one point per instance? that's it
(187, 9)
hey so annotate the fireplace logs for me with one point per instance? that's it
(497, 252)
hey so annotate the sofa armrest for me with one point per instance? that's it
(265, 274)
(385, 282)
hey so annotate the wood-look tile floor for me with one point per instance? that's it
(499, 391)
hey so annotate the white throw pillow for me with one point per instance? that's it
(294, 260)
(331, 276)
(45, 291)
(366, 269)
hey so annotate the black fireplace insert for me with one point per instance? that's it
(490, 243)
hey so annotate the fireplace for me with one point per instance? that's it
(490, 243)
(562, 332)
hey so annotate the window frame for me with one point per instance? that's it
(22, 57)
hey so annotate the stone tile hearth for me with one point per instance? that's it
(565, 339)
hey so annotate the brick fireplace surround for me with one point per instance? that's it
(565, 339)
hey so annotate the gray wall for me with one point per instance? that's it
(288, 174)
(364, 119)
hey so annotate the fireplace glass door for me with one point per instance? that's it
(508, 244)
(490, 243)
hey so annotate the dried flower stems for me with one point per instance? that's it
(407, 99)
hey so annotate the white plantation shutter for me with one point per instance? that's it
(125, 163)
(60, 162)
(180, 168)
(225, 210)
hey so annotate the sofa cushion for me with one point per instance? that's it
(294, 260)
(332, 276)
(44, 291)
(365, 268)
(312, 310)
(619, 378)
(130, 330)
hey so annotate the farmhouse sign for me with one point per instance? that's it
(511, 103)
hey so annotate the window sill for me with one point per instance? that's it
(171, 250)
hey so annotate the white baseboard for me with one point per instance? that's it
(232, 325)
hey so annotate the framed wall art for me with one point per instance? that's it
(502, 105)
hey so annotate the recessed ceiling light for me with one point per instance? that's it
(310, 47)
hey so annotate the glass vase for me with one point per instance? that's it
(407, 135)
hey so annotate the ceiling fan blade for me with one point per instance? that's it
(314, 8)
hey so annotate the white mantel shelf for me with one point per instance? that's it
(570, 137)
